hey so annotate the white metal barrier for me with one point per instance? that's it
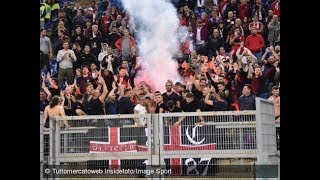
(103, 141)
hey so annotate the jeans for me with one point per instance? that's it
(41, 24)
(258, 55)
(263, 95)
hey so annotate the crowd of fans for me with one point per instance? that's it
(89, 59)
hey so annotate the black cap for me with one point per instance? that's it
(77, 27)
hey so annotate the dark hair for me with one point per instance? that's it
(203, 79)
(170, 104)
(126, 91)
(157, 92)
(221, 83)
(275, 88)
(86, 66)
(54, 101)
(221, 94)
(55, 80)
(79, 97)
(189, 95)
(249, 86)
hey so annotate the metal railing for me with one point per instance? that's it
(112, 141)
(225, 135)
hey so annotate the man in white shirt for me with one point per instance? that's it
(66, 57)
(140, 109)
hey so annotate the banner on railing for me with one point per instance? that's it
(120, 141)
(184, 138)
(176, 138)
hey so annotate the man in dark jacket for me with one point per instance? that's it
(125, 106)
(247, 99)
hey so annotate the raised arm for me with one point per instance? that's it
(45, 116)
(207, 100)
(72, 55)
(44, 87)
(60, 56)
(51, 83)
(62, 113)
(103, 96)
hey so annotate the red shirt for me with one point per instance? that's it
(275, 7)
(222, 5)
(184, 47)
(243, 10)
(258, 25)
(183, 21)
(254, 43)
(105, 24)
(239, 39)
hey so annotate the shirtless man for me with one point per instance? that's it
(275, 98)
(55, 108)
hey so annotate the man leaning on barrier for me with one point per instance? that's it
(191, 104)
(55, 108)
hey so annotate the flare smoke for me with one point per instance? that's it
(155, 23)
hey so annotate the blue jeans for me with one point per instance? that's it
(263, 95)
(258, 55)
(41, 24)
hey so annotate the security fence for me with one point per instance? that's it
(115, 142)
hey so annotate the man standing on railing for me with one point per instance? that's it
(247, 99)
